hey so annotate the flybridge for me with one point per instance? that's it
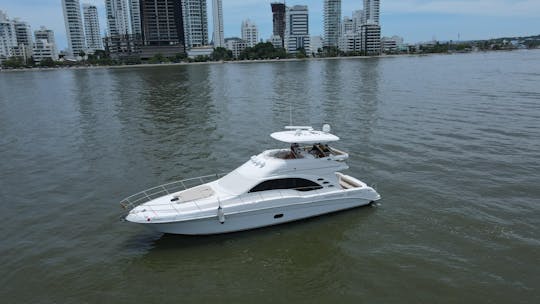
(304, 135)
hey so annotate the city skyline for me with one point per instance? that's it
(415, 20)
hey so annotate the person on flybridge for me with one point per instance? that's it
(296, 152)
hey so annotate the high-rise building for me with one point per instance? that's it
(332, 17)
(236, 45)
(394, 44)
(218, 37)
(297, 29)
(43, 50)
(250, 33)
(23, 34)
(358, 19)
(45, 45)
(135, 15)
(350, 42)
(8, 37)
(45, 33)
(371, 39)
(131, 45)
(195, 21)
(347, 26)
(117, 17)
(91, 27)
(74, 27)
(278, 20)
(161, 22)
(371, 11)
(371, 30)
(349, 39)
(276, 41)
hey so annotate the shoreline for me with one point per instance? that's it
(168, 64)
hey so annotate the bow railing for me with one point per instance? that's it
(147, 195)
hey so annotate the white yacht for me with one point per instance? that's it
(274, 187)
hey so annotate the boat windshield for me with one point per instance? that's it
(236, 183)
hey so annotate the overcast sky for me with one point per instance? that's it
(414, 20)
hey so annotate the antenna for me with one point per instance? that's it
(290, 114)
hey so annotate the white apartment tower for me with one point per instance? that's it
(217, 9)
(135, 15)
(44, 33)
(371, 11)
(8, 37)
(45, 45)
(74, 27)
(117, 17)
(350, 42)
(347, 26)
(371, 30)
(332, 18)
(250, 33)
(358, 19)
(236, 45)
(23, 33)
(43, 50)
(195, 23)
(371, 39)
(349, 39)
(91, 27)
(297, 29)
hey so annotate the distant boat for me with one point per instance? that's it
(274, 187)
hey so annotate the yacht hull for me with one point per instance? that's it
(251, 219)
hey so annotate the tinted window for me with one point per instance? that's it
(299, 184)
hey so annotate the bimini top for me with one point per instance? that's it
(304, 135)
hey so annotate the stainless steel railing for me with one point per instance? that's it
(147, 195)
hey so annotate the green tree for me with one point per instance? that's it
(47, 62)
(99, 57)
(201, 58)
(30, 62)
(435, 48)
(221, 53)
(13, 63)
(330, 51)
(157, 58)
(463, 47)
(301, 53)
(131, 60)
(100, 54)
(179, 57)
(263, 50)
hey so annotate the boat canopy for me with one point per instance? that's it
(303, 135)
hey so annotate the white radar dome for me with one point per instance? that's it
(326, 128)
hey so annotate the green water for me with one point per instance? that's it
(452, 144)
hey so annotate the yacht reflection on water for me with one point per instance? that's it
(277, 186)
